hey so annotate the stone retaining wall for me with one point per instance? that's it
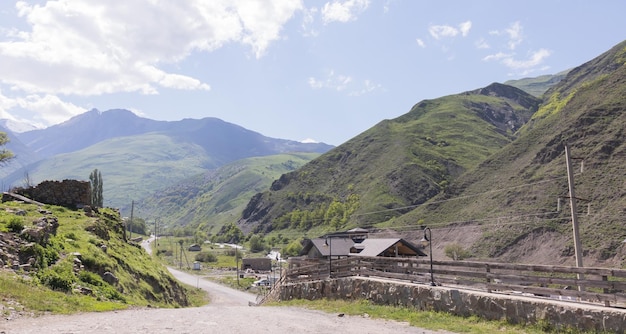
(67, 193)
(514, 309)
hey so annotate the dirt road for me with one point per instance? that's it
(228, 312)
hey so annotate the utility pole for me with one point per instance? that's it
(578, 248)
(132, 208)
(237, 263)
(156, 235)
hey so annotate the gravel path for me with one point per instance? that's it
(228, 312)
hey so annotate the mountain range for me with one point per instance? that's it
(484, 169)
(135, 155)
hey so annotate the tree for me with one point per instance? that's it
(256, 243)
(5, 155)
(95, 178)
(136, 225)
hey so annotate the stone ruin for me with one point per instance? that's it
(68, 193)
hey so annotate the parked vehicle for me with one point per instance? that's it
(262, 282)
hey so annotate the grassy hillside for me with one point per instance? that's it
(512, 196)
(209, 200)
(60, 256)
(537, 86)
(394, 166)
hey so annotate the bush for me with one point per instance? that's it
(233, 252)
(456, 252)
(293, 248)
(15, 225)
(256, 243)
(59, 278)
(44, 256)
(206, 257)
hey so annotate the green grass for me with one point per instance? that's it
(38, 299)
(423, 319)
(54, 284)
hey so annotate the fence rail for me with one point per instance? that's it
(593, 285)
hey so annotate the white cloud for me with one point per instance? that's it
(368, 87)
(308, 21)
(498, 56)
(440, 31)
(465, 27)
(515, 35)
(482, 44)
(80, 48)
(343, 11)
(531, 64)
(49, 109)
(332, 81)
(420, 43)
(87, 48)
(341, 83)
(535, 59)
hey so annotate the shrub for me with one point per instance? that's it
(293, 248)
(233, 252)
(206, 257)
(59, 278)
(15, 225)
(256, 243)
(456, 252)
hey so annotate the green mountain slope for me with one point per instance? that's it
(131, 166)
(210, 199)
(537, 86)
(512, 196)
(395, 165)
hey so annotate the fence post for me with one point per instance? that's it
(488, 270)
(606, 291)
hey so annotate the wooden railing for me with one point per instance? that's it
(594, 285)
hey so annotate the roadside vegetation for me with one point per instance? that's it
(424, 319)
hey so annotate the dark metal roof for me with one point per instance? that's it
(369, 247)
(400, 247)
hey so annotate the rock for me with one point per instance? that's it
(110, 278)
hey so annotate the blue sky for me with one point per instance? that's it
(292, 69)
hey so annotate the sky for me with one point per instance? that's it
(303, 70)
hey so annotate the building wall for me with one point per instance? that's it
(261, 263)
(67, 193)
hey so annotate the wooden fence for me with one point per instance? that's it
(592, 285)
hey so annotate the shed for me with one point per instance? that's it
(257, 264)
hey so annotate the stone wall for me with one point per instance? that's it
(67, 193)
(513, 309)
